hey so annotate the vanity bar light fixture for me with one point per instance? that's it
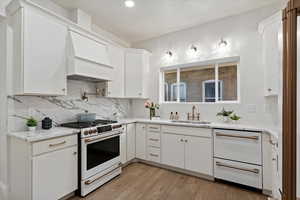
(222, 43)
(129, 3)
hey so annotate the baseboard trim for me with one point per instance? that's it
(3, 191)
(267, 192)
(199, 175)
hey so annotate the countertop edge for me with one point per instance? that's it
(41, 135)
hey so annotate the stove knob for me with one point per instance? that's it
(86, 132)
(95, 131)
(90, 131)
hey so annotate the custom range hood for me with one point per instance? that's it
(88, 58)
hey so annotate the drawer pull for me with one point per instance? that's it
(238, 136)
(152, 139)
(256, 171)
(154, 155)
(58, 144)
(155, 128)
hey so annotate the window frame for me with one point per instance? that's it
(215, 63)
(212, 81)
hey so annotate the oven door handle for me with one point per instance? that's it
(101, 138)
(88, 182)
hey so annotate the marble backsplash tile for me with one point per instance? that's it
(63, 109)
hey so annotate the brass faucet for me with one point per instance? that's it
(193, 112)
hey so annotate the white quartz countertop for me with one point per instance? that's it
(212, 125)
(39, 135)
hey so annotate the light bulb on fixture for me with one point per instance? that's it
(169, 54)
(129, 3)
(194, 48)
(222, 43)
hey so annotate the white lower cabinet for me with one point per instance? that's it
(54, 174)
(153, 154)
(131, 143)
(237, 172)
(192, 153)
(238, 157)
(173, 150)
(140, 141)
(123, 146)
(45, 170)
(198, 155)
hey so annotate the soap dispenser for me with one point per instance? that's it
(171, 116)
(176, 116)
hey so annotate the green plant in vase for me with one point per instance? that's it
(235, 118)
(31, 124)
(152, 107)
(224, 115)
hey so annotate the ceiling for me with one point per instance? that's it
(152, 18)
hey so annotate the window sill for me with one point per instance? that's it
(200, 103)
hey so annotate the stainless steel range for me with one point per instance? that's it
(99, 160)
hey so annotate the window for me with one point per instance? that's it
(212, 83)
(209, 94)
(170, 78)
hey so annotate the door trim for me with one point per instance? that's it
(289, 19)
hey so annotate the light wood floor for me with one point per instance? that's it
(144, 182)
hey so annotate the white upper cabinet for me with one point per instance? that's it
(270, 30)
(116, 87)
(136, 73)
(39, 53)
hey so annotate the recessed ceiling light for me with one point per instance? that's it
(129, 3)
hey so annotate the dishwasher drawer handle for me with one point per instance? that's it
(154, 140)
(256, 171)
(58, 144)
(238, 136)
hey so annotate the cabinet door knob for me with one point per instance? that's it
(75, 153)
(181, 140)
(269, 89)
(186, 140)
(64, 89)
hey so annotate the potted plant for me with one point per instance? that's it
(31, 124)
(235, 118)
(152, 107)
(224, 115)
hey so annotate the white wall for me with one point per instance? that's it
(3, 113)
(244, 40)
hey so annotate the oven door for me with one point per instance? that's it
(99, 153)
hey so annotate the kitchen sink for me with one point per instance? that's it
(191, 122)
